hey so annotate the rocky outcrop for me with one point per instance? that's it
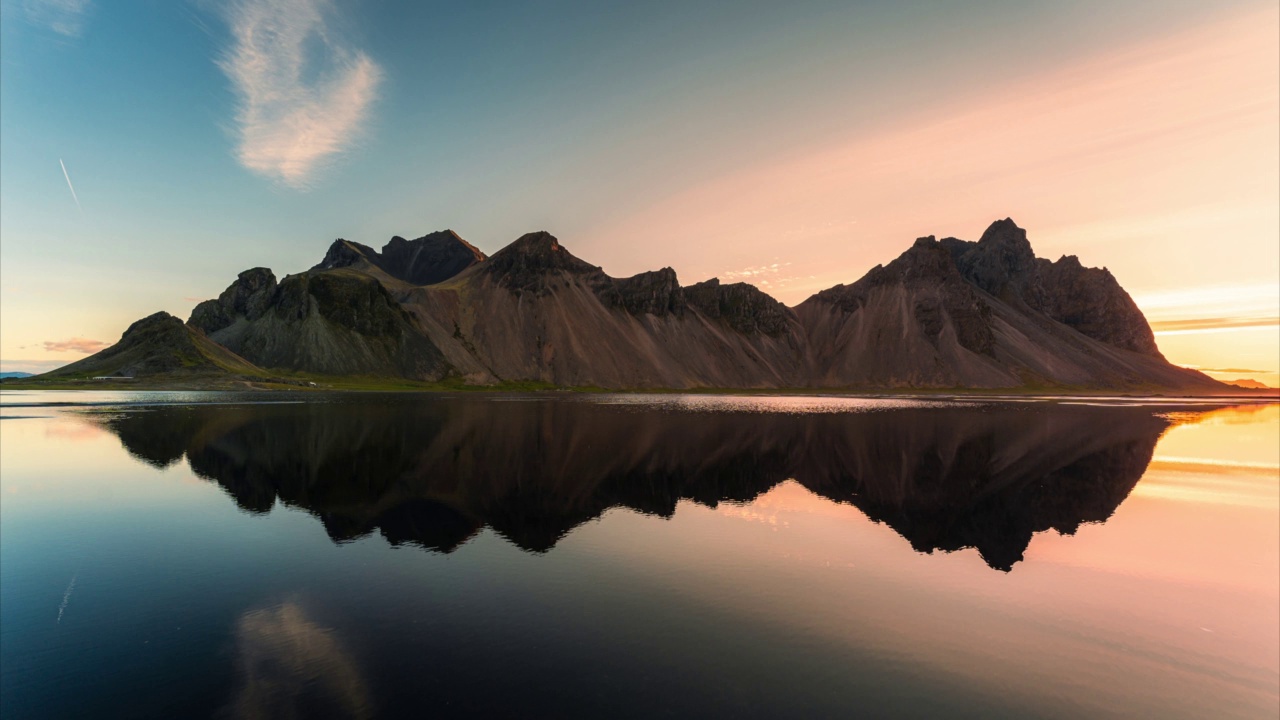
(1001, 262)
(430, 259)
(336, 322)
(939, 296)
(743, 307)
(1091, 301)
(159, 345)
(248, 297)
(1088, 300)
(536, 263)
(656, 293)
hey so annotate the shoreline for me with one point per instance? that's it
(380, 385)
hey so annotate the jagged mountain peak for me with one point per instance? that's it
(538, 242)
(344, 253)
(438, 237)
(1001, 262)
(432, 258)
(527, 263)
(1005, 231)
(247, 297)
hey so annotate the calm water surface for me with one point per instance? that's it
(176, 555)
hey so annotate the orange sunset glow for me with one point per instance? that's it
(1160, 161)
(670, 359)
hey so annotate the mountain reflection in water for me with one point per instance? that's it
(434, 472)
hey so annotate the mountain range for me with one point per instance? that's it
(946, 313)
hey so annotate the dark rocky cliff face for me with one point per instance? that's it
(430, 259)
(344, 253)
(350, 302)
(1001, 262)
(743, 307)
(1089, 300)
(656, 292)
(336, 322)
(249, 296)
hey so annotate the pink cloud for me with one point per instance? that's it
(75, 344)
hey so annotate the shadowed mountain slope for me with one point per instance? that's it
(430, 259)
(160, 344)
(945, 314)
(334, 322)
(989, 314)
(535, 312)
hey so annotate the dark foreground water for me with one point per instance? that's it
(258, 556)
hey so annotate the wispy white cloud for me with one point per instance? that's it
(69, 185)
(66, 597)
(304, 94)
(65, 17)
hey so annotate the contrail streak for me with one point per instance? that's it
(73, 187)
(66, 596)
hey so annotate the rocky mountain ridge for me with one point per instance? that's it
(945, 314)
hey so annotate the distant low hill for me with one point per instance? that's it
(1249, 383)
(159, 344)
(945, 314)
(6, 375)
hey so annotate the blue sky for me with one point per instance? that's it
(202, 139)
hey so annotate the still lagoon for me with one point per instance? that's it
(262, 555)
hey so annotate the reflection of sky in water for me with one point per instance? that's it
(788, 604)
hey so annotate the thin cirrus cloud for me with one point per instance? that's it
(304, 94)
(65, 17)
(1197, 310)
(75, 344)
(1218, 324)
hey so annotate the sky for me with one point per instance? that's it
(151, 150)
